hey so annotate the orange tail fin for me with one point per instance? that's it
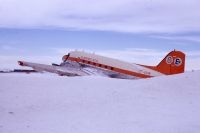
(173, 63)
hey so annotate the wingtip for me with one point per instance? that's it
(21, 63)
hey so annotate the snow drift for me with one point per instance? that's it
(51, 104)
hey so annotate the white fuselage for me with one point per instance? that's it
(113, 64)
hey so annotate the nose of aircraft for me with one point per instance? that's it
(65, 57)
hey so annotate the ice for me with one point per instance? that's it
(47, 103)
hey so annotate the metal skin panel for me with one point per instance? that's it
(122, 66)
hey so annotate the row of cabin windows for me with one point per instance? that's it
(96, 64)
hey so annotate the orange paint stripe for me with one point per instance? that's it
(111, 68)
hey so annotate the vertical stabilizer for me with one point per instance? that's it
(173, 63)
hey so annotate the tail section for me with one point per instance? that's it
(173, 63)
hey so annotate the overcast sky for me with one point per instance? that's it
(133, 30)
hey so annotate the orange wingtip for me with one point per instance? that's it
(21, 63)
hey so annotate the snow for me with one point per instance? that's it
(46, 103)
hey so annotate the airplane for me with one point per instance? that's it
(79, 63)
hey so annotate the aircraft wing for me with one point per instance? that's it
(73, 69)
(63, 71)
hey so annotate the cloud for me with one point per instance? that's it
(137, 55)
(134, 55)
(150, 57)
(7, 47)
(114, 15)
(10, 50)
(10, 61)
(183, 38)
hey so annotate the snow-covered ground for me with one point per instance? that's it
(37, 103)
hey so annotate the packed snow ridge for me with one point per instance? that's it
(37, 103)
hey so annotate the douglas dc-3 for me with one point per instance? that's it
(79, 63)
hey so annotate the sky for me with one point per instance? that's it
(141, 31)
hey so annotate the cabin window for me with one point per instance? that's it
(99, 65)
(88, 62)
(94, 64)
(106, 66)
(111, 68)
